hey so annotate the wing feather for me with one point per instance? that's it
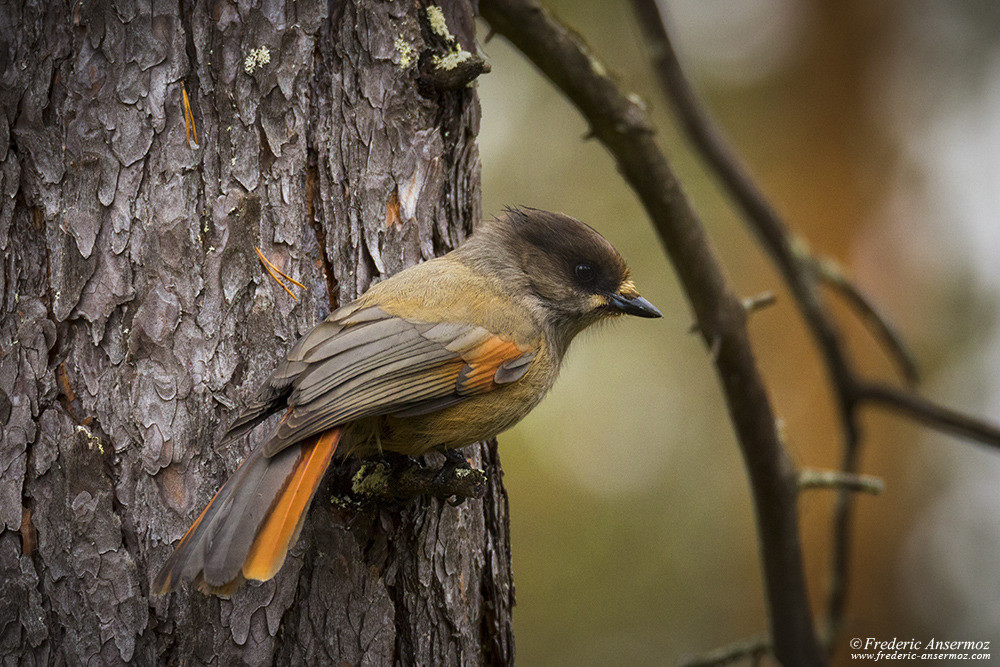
(365, 362)
(321, 378)
(353, 337)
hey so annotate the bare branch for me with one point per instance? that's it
(757, 302)
(930, 413)
(622, 127)
(764, 220)
(798, 269)
(878, 326)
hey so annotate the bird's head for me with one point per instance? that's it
(570, 276)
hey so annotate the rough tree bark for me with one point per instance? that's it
(135, 317)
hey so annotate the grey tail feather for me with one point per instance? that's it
(215, 548)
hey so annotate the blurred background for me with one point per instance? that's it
(874, 128)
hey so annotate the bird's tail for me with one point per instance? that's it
(246, 530)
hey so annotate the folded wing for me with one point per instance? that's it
(363, 362)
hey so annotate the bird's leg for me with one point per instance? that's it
(401, 462)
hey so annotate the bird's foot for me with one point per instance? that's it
(400, 462)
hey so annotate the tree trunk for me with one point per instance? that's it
(137, 319)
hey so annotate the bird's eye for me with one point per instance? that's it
(585, 273)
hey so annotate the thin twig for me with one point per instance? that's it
(930, 413)
(622, 127)
(877, 325)
(758, 302)
(837, 479)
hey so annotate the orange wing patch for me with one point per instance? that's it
(482, 363)
(284, 520)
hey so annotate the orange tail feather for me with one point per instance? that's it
(284, 520)
(267, 498)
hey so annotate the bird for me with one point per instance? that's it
(445, 353)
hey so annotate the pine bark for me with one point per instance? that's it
(136, 319)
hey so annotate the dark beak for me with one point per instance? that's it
(635, 305)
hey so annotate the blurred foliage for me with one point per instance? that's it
(633, 534)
